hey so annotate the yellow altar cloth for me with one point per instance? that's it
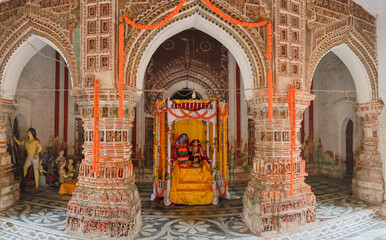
(68, 187)
(192, 186)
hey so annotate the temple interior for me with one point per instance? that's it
(192, 119)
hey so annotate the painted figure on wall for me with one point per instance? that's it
(32, 144)
(181, 153)
(197, 153)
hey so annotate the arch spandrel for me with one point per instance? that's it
(346, 42)
(31, 29)
(245, 44)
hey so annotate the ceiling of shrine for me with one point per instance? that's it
(190, 56)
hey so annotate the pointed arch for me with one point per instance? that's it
(30, 37)
(349, 46)
(246, 45)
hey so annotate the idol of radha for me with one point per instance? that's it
(32, 144)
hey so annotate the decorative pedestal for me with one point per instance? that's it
(268, 206)
(9, 188)
(106, 204)
(367, 183)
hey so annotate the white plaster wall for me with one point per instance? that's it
(332, 109)
(38, 107)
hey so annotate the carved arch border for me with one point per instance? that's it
(32, 27)
(195, 77)
(354, 41)
(248, 39)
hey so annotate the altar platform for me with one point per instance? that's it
(43, 216)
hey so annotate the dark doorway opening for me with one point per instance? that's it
(349, 149)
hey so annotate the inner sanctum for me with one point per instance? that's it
(192, 119)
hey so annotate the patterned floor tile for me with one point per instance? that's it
(43, 216)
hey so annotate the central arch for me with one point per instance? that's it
(244, 44)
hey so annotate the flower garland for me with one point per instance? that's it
(159, 24)
(225, 189)
(96, 142)
(232, 20)
(292, 112)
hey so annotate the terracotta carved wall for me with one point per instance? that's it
(53, 20)
(335, 22)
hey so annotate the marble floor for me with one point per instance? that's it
(43, 216)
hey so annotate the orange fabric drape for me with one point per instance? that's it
(96, 128)
(292, 112)
(121, 46)
(159, 24)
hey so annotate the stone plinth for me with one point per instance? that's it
(268, 206)
(106, 204)
(9, 188)
(367, 183)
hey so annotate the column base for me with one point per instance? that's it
(104, 213)
(368, 186)
(9, 194)
(276, 214)
(383, 210)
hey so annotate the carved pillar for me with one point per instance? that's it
(9, 188)
(108, 203)
(268, 206)
(367, 183)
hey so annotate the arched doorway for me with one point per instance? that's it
(38, 80)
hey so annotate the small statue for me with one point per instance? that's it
(60, 158)
(181, 153)
(32, 144)
(63, 175)
(41, 169)
(70, 167)
(197, 153)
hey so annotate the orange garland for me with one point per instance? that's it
(232, 20)
(121, 46)
(159, 24)
(187, 115)
(292, 111)
(96, 128)
(225, 189)
(162, 193)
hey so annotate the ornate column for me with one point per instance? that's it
(268, 204)
(367, 183)
(9, 188)
(106, 204)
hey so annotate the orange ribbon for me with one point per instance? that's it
(162, 193)
(292, 111)
(159, 24)
(232, 20)
(96, 128)
(225, 189)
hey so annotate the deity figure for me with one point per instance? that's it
(197, 153)
(63, 175)
(60, 158)
(181, 153)
(41, 169)
(70, 166)
(32, 144)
